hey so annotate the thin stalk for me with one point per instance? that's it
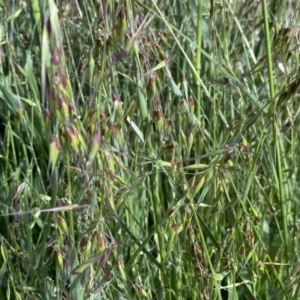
(268, 50)
(70, 213)
(198, 69)
(272, 111)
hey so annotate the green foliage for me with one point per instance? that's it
(149, 151)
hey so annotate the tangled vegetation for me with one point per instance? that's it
(148, 149)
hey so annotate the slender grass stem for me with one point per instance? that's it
(198, 104)
(272, 108)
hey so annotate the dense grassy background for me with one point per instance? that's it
(149, 150)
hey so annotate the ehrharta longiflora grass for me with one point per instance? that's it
(149, 151)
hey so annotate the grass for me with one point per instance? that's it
(149, 151)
